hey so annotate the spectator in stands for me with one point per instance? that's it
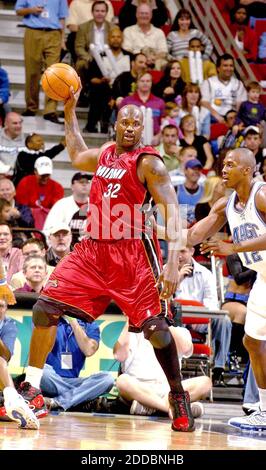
(208, 67)
(44, 191)
(8, 334)
(144, 34)
(171, 85)
(4, 170)
(72, 210)
(190, 192)
(181, 32)
(94, 32)
(75, 340)
(229, 136)
(185, 154)
(251, 112)
(100, 80)
(125, 83)
(127, 13)
(223, 92)
(60, 239)
(245, 37)
(142, 383)
(168, 148)
(35, 272)
(172, 116)
(201, 144)
(144, 97)
(213, 190)
(4, 95)
(27, 157)
(12, 258)
(191, 104)
(45, 26)
(252, 141)
(5, 210)
(11, 215)
(11, 139)
(198, 283)
(31, 247)
(262, 175)
(80, 11)
(20, 212)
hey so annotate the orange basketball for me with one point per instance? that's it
(57, 79)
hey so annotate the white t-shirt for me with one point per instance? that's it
(223, 96)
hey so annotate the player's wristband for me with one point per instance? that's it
(3, 282)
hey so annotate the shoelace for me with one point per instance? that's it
(182, 408)
(258, 417)
(32, 407)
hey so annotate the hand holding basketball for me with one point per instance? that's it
(57, 80)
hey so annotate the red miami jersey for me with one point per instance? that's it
(117, 196)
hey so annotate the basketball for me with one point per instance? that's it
(57, 79)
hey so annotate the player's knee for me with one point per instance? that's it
(43, 315)
(156, 330)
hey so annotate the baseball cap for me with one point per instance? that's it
(79, 176)
(44, 166)
(58, 227)
(193, 163)
(251, 128)
(4, 168)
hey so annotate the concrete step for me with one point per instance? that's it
(53, 132)
(63, 176)
(8, 13)
(11, 29)
(11, 52)
(16, 75)
(17, 102)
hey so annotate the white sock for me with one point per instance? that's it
(262, 393)
(33, 376)
(9, 393)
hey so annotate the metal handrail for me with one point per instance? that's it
(208, 19)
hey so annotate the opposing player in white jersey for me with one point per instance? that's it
(245, 211)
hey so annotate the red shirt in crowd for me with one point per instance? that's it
(32, 194)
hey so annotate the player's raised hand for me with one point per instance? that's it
(71, 102)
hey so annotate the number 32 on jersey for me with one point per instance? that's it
(112, 190)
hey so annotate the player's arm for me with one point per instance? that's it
(82, 157)
(153, 173)
(210, 225)
(253, 244)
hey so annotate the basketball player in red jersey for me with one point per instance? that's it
(118, 260)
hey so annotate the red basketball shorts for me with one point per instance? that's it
(96, 272)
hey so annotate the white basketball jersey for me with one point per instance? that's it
(247, 224)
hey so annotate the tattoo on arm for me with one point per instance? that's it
(75, 142)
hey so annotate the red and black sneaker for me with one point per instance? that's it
(33, 396)
(183, 420)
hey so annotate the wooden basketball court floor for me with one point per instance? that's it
(84, 431)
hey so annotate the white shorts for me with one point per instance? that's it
(255, 325)
(160, 388)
